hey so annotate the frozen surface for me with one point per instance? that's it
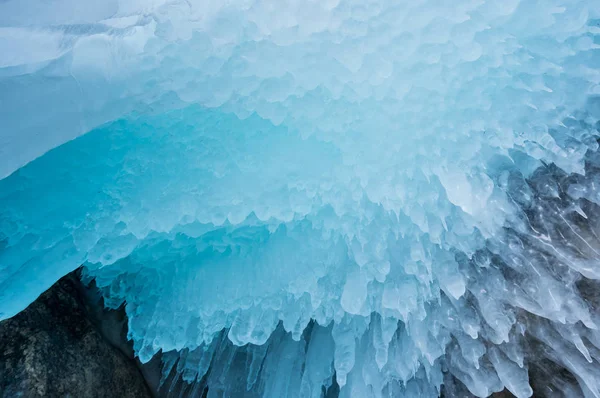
(342, 70)
(389, 199)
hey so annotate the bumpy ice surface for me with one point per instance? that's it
(305, 199)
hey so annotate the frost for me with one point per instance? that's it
(298, 197)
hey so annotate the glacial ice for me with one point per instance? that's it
(306, 199)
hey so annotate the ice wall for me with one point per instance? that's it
(387, 198)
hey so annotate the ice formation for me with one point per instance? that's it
(314, 198)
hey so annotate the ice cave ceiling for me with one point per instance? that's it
(381, 198)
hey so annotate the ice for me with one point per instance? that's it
(305, 199)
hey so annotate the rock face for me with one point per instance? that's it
(54, 349)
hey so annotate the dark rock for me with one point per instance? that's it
(54, 349)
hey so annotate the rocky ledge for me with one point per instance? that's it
(54, 348)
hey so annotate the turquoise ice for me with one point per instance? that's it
(344, 190)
